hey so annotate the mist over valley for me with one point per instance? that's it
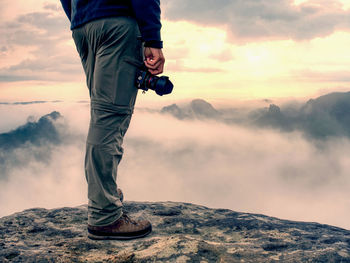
(290, 160)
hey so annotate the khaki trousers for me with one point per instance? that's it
(109, 49)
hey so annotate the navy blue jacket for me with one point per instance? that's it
(146, 12)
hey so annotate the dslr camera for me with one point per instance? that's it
(145, 81)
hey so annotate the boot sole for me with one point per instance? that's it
(116, 237)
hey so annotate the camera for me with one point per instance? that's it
(161, 85)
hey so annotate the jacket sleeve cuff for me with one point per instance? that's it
(151, 37)
(154, 44)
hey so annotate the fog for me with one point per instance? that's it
(211, 162)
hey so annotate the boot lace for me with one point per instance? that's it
(128, 219)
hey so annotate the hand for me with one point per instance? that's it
(154, 60)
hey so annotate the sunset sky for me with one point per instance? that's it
(227, 49)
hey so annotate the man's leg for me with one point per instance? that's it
(107, 47)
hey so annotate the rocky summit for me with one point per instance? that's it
(182, 232)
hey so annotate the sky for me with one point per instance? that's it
(263, 147)
(228, 49)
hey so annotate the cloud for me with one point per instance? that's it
(178, 66)
(322, 76)
(7, 76)
(224, 55)
(34, 141)
(38, 46)
(243, 168)
(32, 171)
(251, 20)
(53, 7)
(200, 160)
(32, 102)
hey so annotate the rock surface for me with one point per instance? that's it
(181, 233)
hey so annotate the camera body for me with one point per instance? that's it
(161, 85)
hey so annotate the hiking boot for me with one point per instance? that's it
(120, 194)
(122, 229)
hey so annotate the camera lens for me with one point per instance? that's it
(164, 86)
(161, 85)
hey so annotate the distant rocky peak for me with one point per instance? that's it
(274, 109)
(196, 109)
(203, 109)
(174, 110)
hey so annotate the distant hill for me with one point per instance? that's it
(197, 109)
(34, 141)
(323, 117)
(34, 132)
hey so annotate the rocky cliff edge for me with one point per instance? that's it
(182, 232)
